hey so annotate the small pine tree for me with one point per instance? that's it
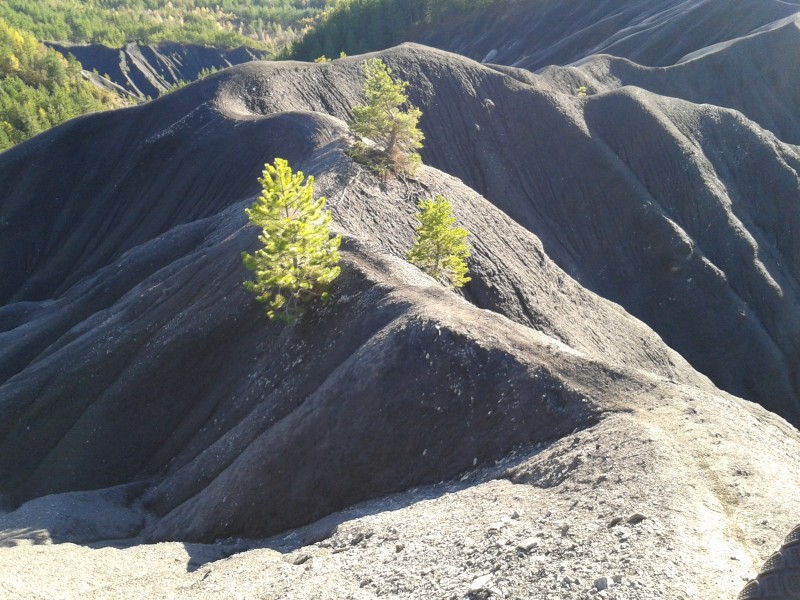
(383, 121)
(440, 248)
(299, 258)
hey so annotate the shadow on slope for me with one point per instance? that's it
(533, 34)
(651, 219)
(754, 75)
(133, 351)
(159, 364)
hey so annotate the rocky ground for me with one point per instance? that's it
(554, 430)
(653, 502)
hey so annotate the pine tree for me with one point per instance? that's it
(440, 248)
(299, 258)
(383, 121)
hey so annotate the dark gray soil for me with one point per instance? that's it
(633, 255)
(537, 33)
(143, 71)
(746, 74)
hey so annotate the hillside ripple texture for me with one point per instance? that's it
(629, 340)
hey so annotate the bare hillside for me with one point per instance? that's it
(599, 401)
(537, 33)
(143, 70)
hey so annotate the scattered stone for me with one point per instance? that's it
(602, 583)
(481, 583)
(527, 544)
(357, 539)
(399, 546)
(538, 558)
(636, 518)
(615, 521)
(301, 559)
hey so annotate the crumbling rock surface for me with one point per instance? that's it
(652, 502)
(189, 377)
(143, 71)
(681, 213)
(533, 34)
(620, 244)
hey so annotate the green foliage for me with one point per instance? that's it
(581, 91)
(206, 72)
(374, 160)
(359, 26)
(179, 84)
(299, 259)
(384, 121)
(440, 248)
(268, 25)
(39, 88)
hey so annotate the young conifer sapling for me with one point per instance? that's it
(299, 258)
(383, 120)
(440, 248)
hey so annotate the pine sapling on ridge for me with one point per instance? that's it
(440, 248)
(382, 119)
(299, 258)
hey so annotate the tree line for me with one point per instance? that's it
(40, 88)
(358, 26)
(266, 25)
